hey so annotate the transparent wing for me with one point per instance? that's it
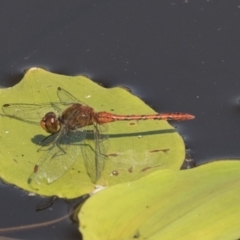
(32, 113)
(66, 97)
(58, 157)
(94, 152)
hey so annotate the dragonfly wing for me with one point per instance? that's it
(57, 158)
(94, 152)
(31, 113)
(66, 97)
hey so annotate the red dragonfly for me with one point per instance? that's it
(70, 131)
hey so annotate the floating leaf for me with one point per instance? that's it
(134, 149)
(201, 203)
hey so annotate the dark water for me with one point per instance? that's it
(176, 55)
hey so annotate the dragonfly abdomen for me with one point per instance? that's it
(105, 117)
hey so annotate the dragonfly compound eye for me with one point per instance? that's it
(50, 123)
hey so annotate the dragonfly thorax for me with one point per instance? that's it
(77, 116)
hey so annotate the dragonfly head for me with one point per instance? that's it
(50, 122)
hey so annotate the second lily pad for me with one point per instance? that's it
(201, 203)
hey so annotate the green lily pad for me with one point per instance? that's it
(201, 203)
(134, 149)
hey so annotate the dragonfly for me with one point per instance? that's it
(71, 125)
